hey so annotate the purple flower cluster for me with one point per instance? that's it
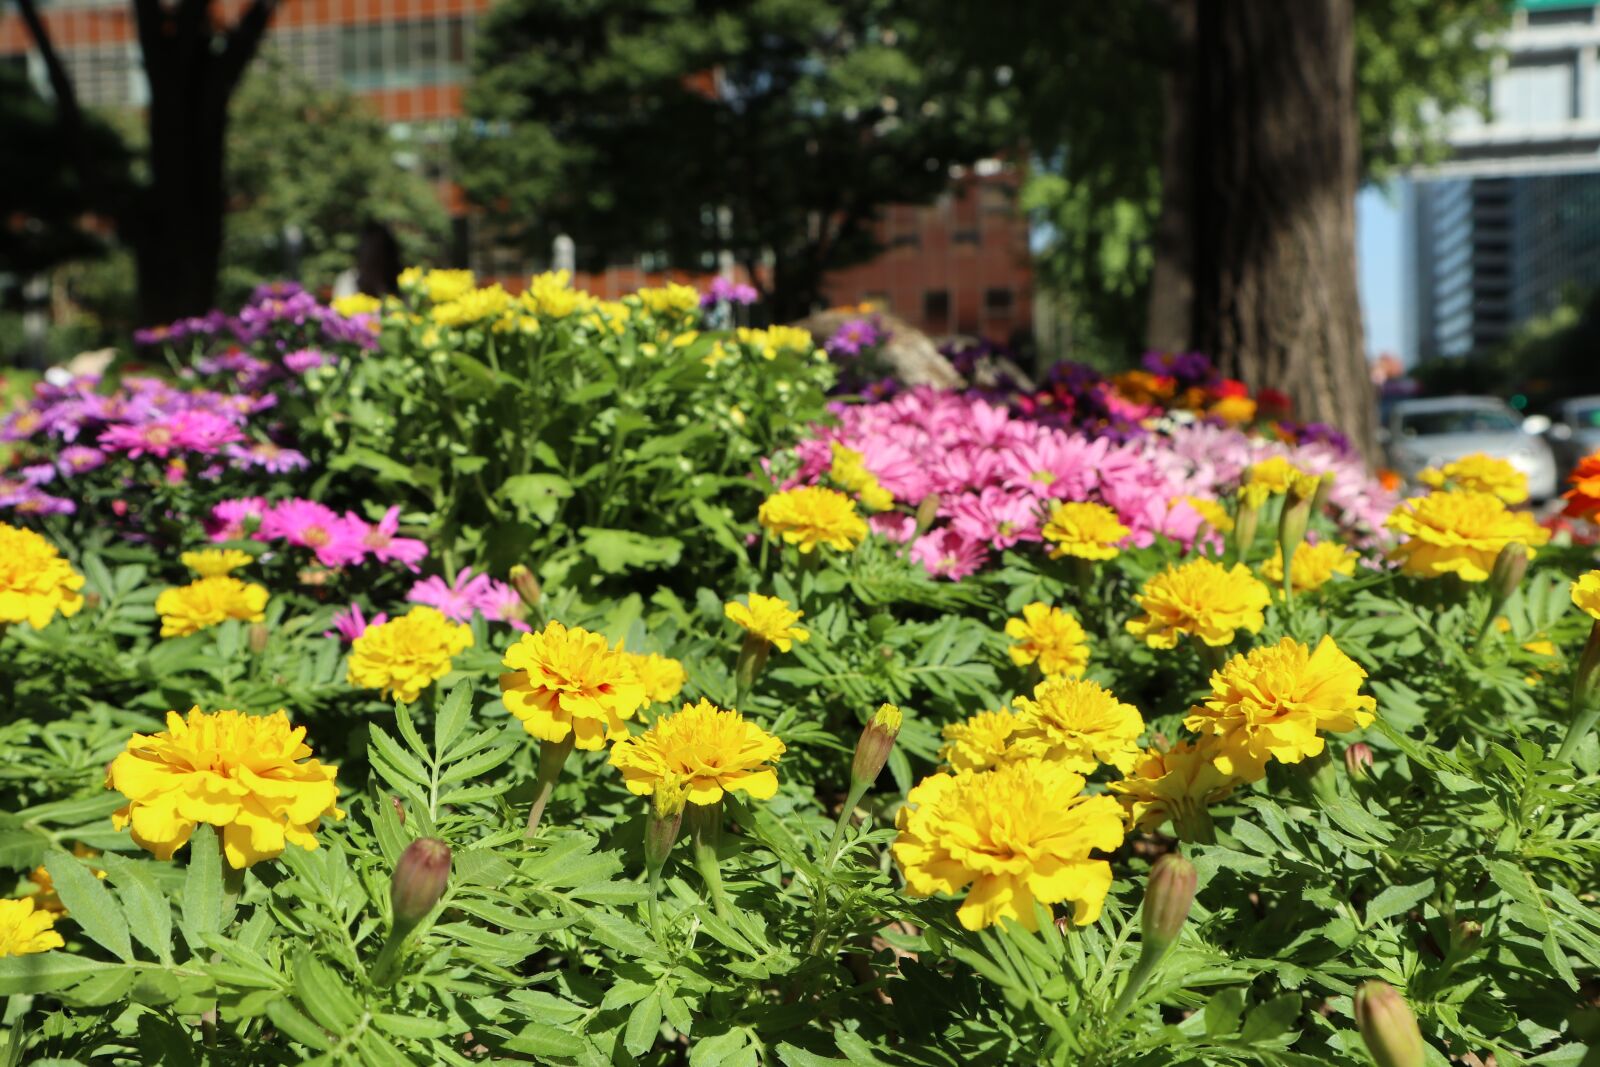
(335, 540)
(281, 312)
(855, 336)
(726, 291)
(1188, 369)
(81, 429)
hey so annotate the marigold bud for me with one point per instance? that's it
(1468, 934)
(874, 746)
(1509, 567)
(1387, 1026)
(526, 585)
(258, 637)
(927, 511)
(1319, 499)
(666, 818)
(419, 880)
(1293, 522)
(1358, 761)
(1167, 900)
(1244, 525)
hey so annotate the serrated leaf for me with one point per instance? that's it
(644, 1024)
(202, 888)
(89, 904)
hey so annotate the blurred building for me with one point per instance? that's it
(958, 265)
(1509, 225)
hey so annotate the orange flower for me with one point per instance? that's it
(1583, 499)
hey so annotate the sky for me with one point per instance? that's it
(1380, 267)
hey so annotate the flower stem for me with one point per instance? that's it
(857, 791)
(653, 902)
(1582, 724)
(706, 829)
(552, 756)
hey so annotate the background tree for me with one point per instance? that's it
(1195, 155)
(320, 164)
(775, 131)
(193, 58)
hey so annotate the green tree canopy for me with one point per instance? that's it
(773, 130)
(319, 161)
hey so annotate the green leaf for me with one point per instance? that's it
(288, 1019)
(202, 889)
(44, 972)
(89, 904)
(149, 914)
(453, 715)
(616, 551)
(1397, 900)
(644, 1025)
(536, 497)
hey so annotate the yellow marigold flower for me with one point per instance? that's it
(1175, 784)
(1479, 473)
(775, 339)
(35, 581)
(670, 297)
(215, 562)
(663, 677)
(1215, 515)
(770, 618)
(551, 294)
(410, 278)
(1460, 533)
(982, 741)
(565, 682)
(1275, 474)
(849, 470)
(1017, 834)
(1272, 701)
(1080, 724)
(404, 656)
(1586, 594)
(207, 602)
(1234, 409)
(240, 773)
(1201, 598)
(473, 306)
(443, 286)
(357, 304)
(1087, 531)
(25, 930)
(711, 750)
(1314, 565)
(811, 515)
(1049, 636)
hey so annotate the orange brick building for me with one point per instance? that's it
(959, 265)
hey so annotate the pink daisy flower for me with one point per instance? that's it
(996, 517)
(380, 540)
(351, 624)
(311, 525)
(944, 553)
(458, 600)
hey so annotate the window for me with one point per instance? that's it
(400, 54)
(1537, 90)
(936, 309)
(997, 303)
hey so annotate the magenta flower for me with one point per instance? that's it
(458, 600)
(351, 624)
(380, 540)
(76, 459)
(312, 525)
(235, 520)
(996, 517)
(501, 603)
(267, 456)
(307, 359)
(944, 553)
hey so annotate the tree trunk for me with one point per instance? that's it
(178, 240)
(1269, 195)
(1171, 310)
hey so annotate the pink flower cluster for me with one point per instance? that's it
(336, 540)
(468, 595)
(997, 475)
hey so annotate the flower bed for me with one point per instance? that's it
(472, 676)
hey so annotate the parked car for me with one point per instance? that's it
(1575, 431)
(1427, 433)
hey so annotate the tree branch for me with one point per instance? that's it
(148, 17)
(244, 40)
(68, 112)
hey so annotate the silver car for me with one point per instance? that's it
(1429, 433)
(1576, 430)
